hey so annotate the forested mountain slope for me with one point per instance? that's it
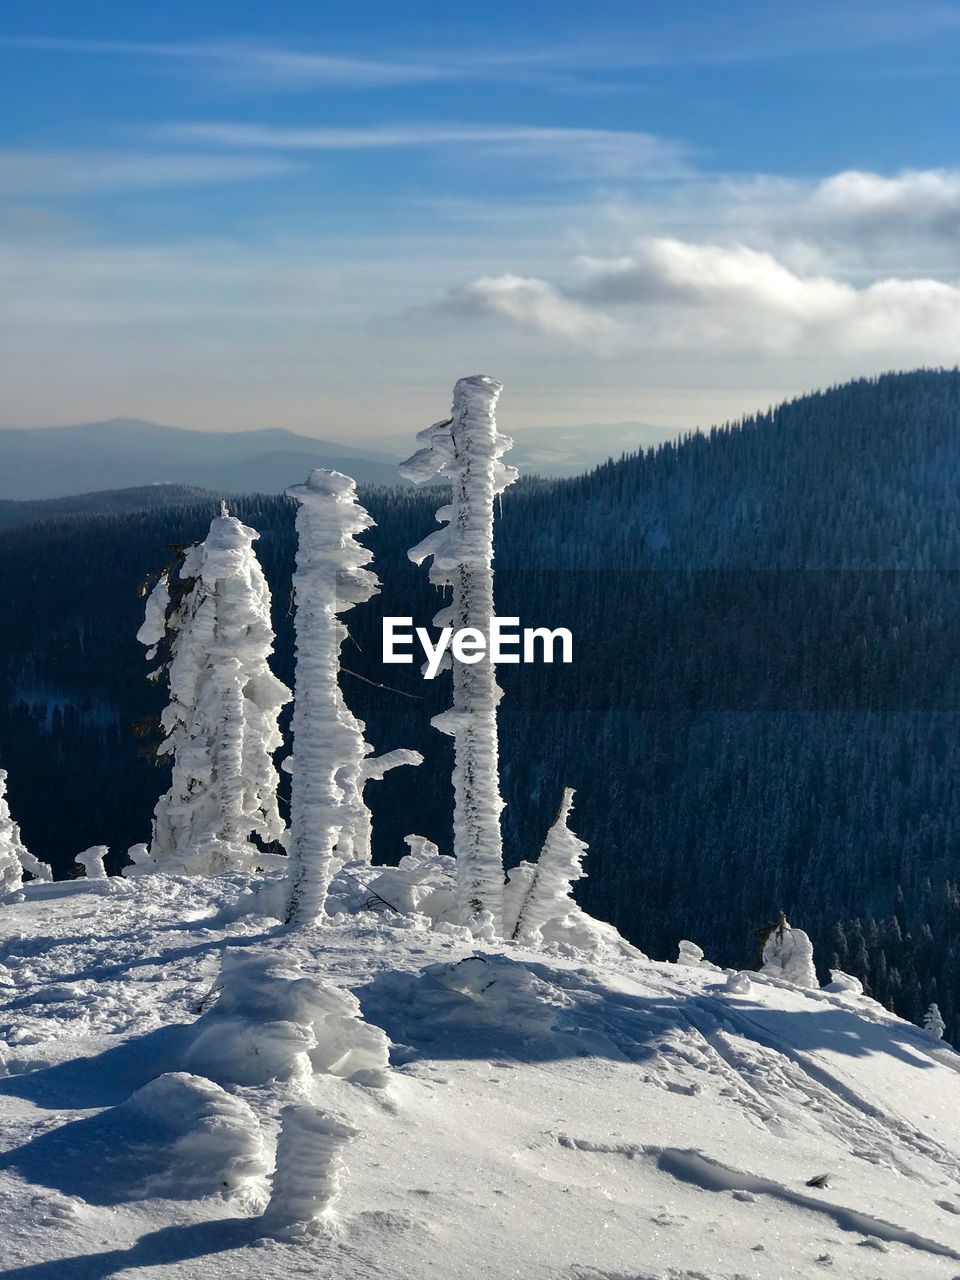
(762, 710)
(101, 502)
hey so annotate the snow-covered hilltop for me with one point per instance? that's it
(475, 1109)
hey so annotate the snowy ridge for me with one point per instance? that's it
(443, 1107)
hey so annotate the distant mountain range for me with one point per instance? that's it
(124, 453)
(53, 462)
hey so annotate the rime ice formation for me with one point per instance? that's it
(840, 981)
(309, 1162)
(738, 984)
(467, 449)
(15, 857)
(788, 954)
(933, 1021)
(540, 892)
(220, 725)
(92, 862)
(329, 764)
(689, 954)
(141, 863)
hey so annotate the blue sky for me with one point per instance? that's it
(318, 216)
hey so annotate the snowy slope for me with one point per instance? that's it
(542, 1115)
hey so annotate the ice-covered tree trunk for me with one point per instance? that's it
(221, 723)
(15, 857)
(356, 840)
(330, 764)
(933, 1021)
(546, 886)
(467, 449)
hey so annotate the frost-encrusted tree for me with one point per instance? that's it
(467, 449)
(788, 954)
(330, 763)
(220, 725)
(15, 857)
(933, 1021)
(92, 862)
(542, 891)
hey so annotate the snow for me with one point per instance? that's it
(445, 1107)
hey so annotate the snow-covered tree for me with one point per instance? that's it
(92, 861)
(788, 954)
(15, 857)
(467, 449)
(933, 1022)
(542, 891)
(220, 725)
(330, 763)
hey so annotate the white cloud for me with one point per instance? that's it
(926, 198)
(673, 294)
(667, 270)
(533, 304)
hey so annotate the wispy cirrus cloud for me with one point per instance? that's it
(77, 173)
(742, 32)
(252, 62)
(610, 152)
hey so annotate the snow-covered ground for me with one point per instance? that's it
(542, 1115)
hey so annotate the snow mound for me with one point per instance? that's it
(271, 1022)
(841, 982)
(179, 1137)
(208, 1142)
